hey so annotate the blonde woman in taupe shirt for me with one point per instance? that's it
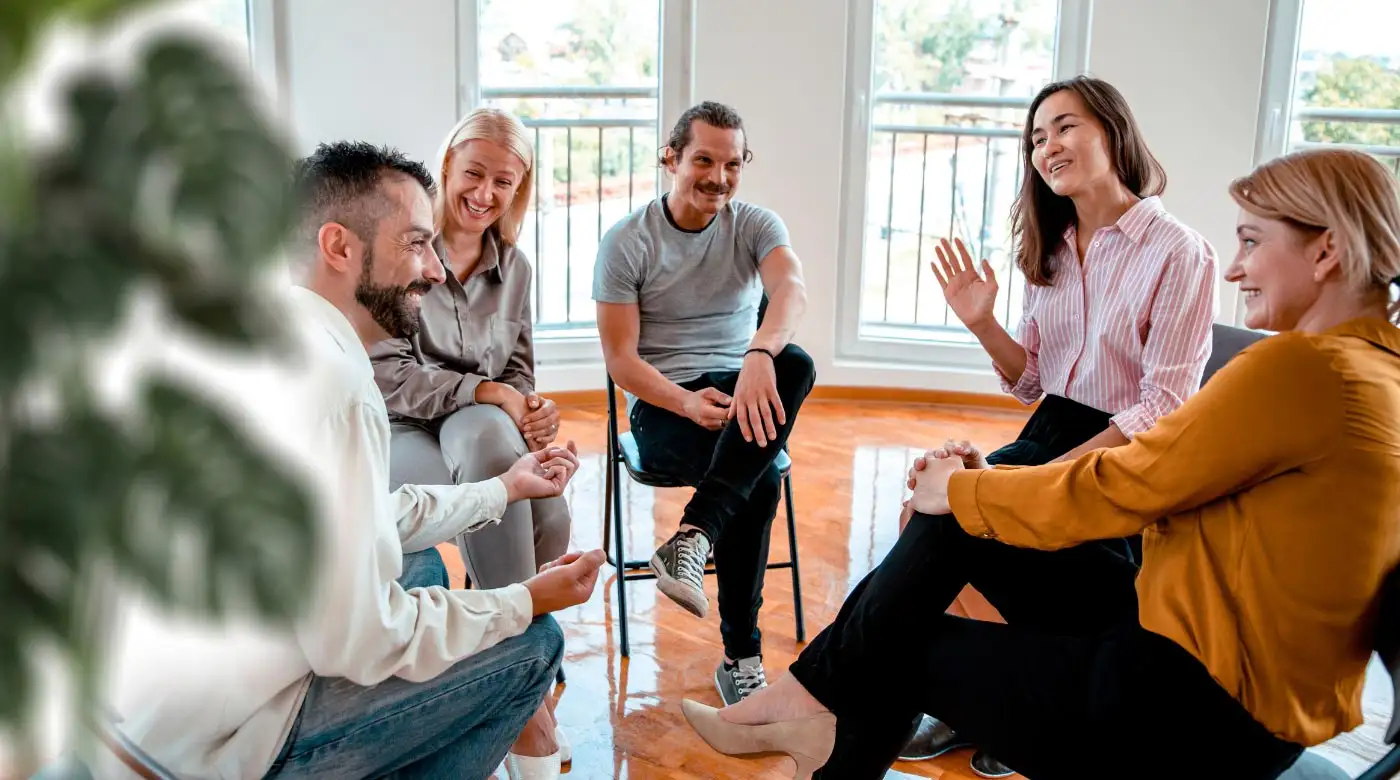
(461, 393)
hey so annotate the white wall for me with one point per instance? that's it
(1192, 70)
(1195, 87)
(789, 89)
(369, 70)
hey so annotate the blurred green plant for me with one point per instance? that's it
(168, 179)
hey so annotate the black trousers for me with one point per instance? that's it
(737, 488)
(1070, 687)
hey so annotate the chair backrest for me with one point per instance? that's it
(1225, 343)
(1387, 642)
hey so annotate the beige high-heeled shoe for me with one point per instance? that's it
(808, 741)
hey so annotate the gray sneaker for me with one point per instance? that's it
(679, 565)
(735, 683)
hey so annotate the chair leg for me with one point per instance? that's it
(792, 551)
(621, 559)
(609, 475)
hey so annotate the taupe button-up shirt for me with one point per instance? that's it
(472, 333)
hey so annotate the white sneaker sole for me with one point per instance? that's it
(677, 591)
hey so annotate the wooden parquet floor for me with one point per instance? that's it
(623, 716)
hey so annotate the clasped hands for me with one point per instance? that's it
(929, 476)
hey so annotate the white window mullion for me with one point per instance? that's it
(860, 65)
(267, 43)
(1280, 68)
(468, 56)
(1275, 110)
(677, 62)
(1072, 38)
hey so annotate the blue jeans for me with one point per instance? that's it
(457, 725)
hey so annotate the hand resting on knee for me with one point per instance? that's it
(928, 478)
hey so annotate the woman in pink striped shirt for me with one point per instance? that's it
(1116, 329)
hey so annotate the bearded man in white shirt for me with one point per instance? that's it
(390, 672)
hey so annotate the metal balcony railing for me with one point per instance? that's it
(595, 150)
(1388, 154)
(954, 177)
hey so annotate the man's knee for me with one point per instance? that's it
(794, 364)
(424, 569)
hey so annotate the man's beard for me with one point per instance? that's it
(391, 306)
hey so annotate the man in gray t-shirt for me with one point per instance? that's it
(715, 391)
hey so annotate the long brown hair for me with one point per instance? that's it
(1039, 217)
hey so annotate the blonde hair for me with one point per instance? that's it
(1347, 192)
(498, 127)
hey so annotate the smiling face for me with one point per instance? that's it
(482, 180)
(1069, 148)
(708, 170)
(1280, 268)
(399, 266)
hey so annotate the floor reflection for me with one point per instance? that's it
(850, 461)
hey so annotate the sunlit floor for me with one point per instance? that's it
(623, 717)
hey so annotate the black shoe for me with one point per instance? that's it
(984, 765)
(931, 739)
(679, 566)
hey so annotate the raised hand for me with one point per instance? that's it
(971, 297)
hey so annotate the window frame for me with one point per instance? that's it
(579, 345)
(1072, 37)
(267, 49)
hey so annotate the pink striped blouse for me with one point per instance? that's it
(1127, 331)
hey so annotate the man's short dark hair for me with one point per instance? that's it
(716, 115)
(339, 182)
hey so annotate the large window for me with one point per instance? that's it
(248, 26)
(1334, 78)
(950, 81)
(585, 77)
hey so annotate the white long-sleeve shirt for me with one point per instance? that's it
(218, 700)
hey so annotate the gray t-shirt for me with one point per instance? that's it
(697, 291)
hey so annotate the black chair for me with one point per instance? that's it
(622, 452)
(1226, 342)
(1387, 645)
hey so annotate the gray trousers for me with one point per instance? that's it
(474, 444)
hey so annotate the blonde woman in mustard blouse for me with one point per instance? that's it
(1270, 509)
